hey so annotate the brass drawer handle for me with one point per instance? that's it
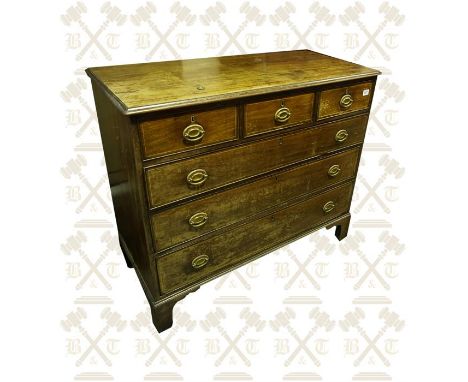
(200, 261)
(197, 177)
(346, 101)
(282, 114)
(198, 219)
(328, 207)
(193, 133)
(334, 170)
(341, 136)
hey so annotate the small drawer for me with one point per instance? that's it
(179, 180)
(180, 133)
(340, 101)
(261, 117)
(188, 221)
(209, 257)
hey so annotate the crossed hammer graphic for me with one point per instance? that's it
(282, 15)
(391, 320)
(113, 320)
(352, 15)
(214, 320)
(144, 14)
(353, 244)
(322, 244)
(214, 13)
(113, 15)
(75, 242)
(283, 319)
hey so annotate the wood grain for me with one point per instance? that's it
(165, 135)
(168, 183)
(267, 182)
(175, 270)
(145, 87)
(260, 116)
(121, 153)
(171, 226)
(329, 104)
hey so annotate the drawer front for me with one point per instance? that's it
(187, 132)
(340, 101)
(175, 181)
(261, 117)
(208, 257)
(188, 221)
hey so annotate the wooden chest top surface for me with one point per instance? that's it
(146, 87)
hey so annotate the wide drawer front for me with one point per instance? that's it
(261, 117)
(210, 256)
(179, 180)
(188, 221)
(186, 132)
(344, 100)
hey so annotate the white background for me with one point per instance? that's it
(431, 212)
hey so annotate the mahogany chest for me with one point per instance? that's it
(215, 162)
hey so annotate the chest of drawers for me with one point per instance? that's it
(215, 162)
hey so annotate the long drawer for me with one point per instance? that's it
(210, 256)
(198, 217)
(175, 181)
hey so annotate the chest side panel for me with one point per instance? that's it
(121, 147)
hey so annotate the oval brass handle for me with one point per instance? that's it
(200, 261)
(341, 136)
(282, 114)
(193, 133)
(197, 177)
(198, 219)
(328, 206)
(334, 170)
(346, 101)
